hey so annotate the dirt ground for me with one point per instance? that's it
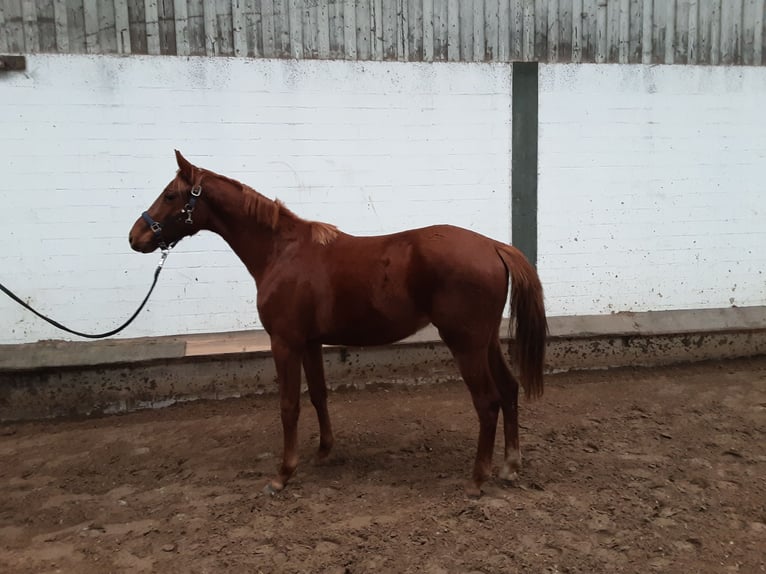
(660, 470)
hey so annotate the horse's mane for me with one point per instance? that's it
(268, 212)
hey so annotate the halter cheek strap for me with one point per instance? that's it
(196, 191)
(187, 210)
(156, 229)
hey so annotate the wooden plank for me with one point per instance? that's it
(415, 30)
(554, 29)
(647, 37)
(3, 31)
(195, 27)
(225, 38)
(376, 30)
(731, 32)
(747, 32)
(692, 45)
(681, 32)
(136, 26)
(715, 32)
(623, 52)
(364, 37)
(504, 31)
(121, 27)
(577, 11)
(349, 29)
(477, 32)
(601, 32)
(46, 26)
(181, 26)
(388, 24)
(335, 29)
(466, 31)
(441, 31)
(752, 23)
(517, 30)
(309, 29)
(758, 36)
(541, 29)
(428, 30)
(490, 30)
(14, 26)
(323, 29)
(29, 22)
(76, 23)
(402, 47)
(267, 29)
(90, 26)
(564, 31)
(281, 27)
(238, 28)
(613, 30)
(589, 30)
(210, 20)
(704, 25)
(528, 41)
(659, 31)
(296, 28)
(152, 27)
(634, 48)
(453, 31)
(198, 42)
(107, 38)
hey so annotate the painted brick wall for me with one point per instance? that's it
(652, 187)
(651, 179)
(87, 143)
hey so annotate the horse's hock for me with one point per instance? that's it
(50, 379)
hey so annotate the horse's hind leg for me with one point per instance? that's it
(314, 368)
(508, 389)
(475, 370)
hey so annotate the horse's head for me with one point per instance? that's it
(174, 214)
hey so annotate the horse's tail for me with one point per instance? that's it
(528, 311)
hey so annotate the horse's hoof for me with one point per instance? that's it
(509, 472)
(271, 489)
(322, 458)
(508, 475)
(472, 491)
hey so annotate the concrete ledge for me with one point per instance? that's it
(56, 378)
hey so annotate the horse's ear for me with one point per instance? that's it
(186, 169)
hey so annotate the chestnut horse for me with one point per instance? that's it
(319, 286)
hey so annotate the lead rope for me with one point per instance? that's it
(10, 294)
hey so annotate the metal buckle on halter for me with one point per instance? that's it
(155, 227)
(196, 191)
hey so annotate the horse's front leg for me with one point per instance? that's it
(288, 363)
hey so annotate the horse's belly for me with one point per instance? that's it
(373, 328)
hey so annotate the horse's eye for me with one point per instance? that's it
(171, 196)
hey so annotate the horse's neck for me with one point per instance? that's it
(253, 242)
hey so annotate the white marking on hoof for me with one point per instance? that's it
(511, 466)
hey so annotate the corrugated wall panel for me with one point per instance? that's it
(717, 32)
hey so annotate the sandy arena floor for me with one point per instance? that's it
(660, 470)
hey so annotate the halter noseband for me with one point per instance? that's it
(187, 210)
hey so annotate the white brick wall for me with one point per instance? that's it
(87, 143)
(652, 188)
